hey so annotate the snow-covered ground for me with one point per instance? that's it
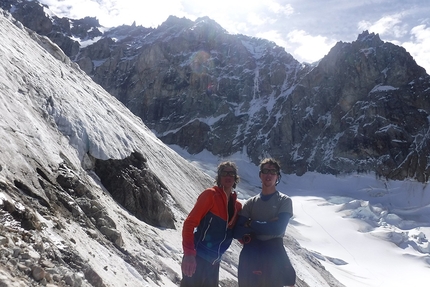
(366, 231)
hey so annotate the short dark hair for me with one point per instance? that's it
(271, 161)
(221, 167)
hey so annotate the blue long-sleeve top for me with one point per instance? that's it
(266, 216)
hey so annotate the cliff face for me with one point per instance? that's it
(363, 107)
(89, 196)
(195, 85)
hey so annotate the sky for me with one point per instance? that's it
(367, 232)
(307, 29)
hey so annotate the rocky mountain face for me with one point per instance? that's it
(89, 196)
(363, 107)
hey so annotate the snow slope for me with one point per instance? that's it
(366, 231)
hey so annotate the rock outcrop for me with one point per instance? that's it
(136, 188)
(363, 107)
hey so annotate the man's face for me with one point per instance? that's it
(228, 176)
(269, 174)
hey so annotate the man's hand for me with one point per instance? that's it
(189, 265)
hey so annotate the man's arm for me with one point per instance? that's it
(240, 230)
(200, 209)
(275, 226)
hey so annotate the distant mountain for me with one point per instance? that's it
(363, 107)
(89, 196)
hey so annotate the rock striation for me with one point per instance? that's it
(363, 107)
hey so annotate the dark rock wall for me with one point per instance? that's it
(136, 188)
(363, 107)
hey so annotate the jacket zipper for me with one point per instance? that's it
(207, 228)
(225, 233)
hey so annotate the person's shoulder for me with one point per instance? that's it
(208, 192)
(254, 197)
(251, 200)
(212, 189)
(285, 203)
(238, 204)
(283, 196)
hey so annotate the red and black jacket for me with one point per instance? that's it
(213, 234)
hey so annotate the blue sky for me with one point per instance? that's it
(306, 28)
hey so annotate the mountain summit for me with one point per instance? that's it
(89, 196)
(363, 107)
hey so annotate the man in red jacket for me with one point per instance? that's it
(208, 229)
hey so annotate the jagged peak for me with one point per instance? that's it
(208, 21)
(368, 37)
(202, 24)
(88, 21)
(174, 20)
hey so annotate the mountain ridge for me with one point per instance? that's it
(196, 86)
(206, 89)
(60, 225)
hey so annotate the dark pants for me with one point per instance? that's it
(207, 275)
(265, 263)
